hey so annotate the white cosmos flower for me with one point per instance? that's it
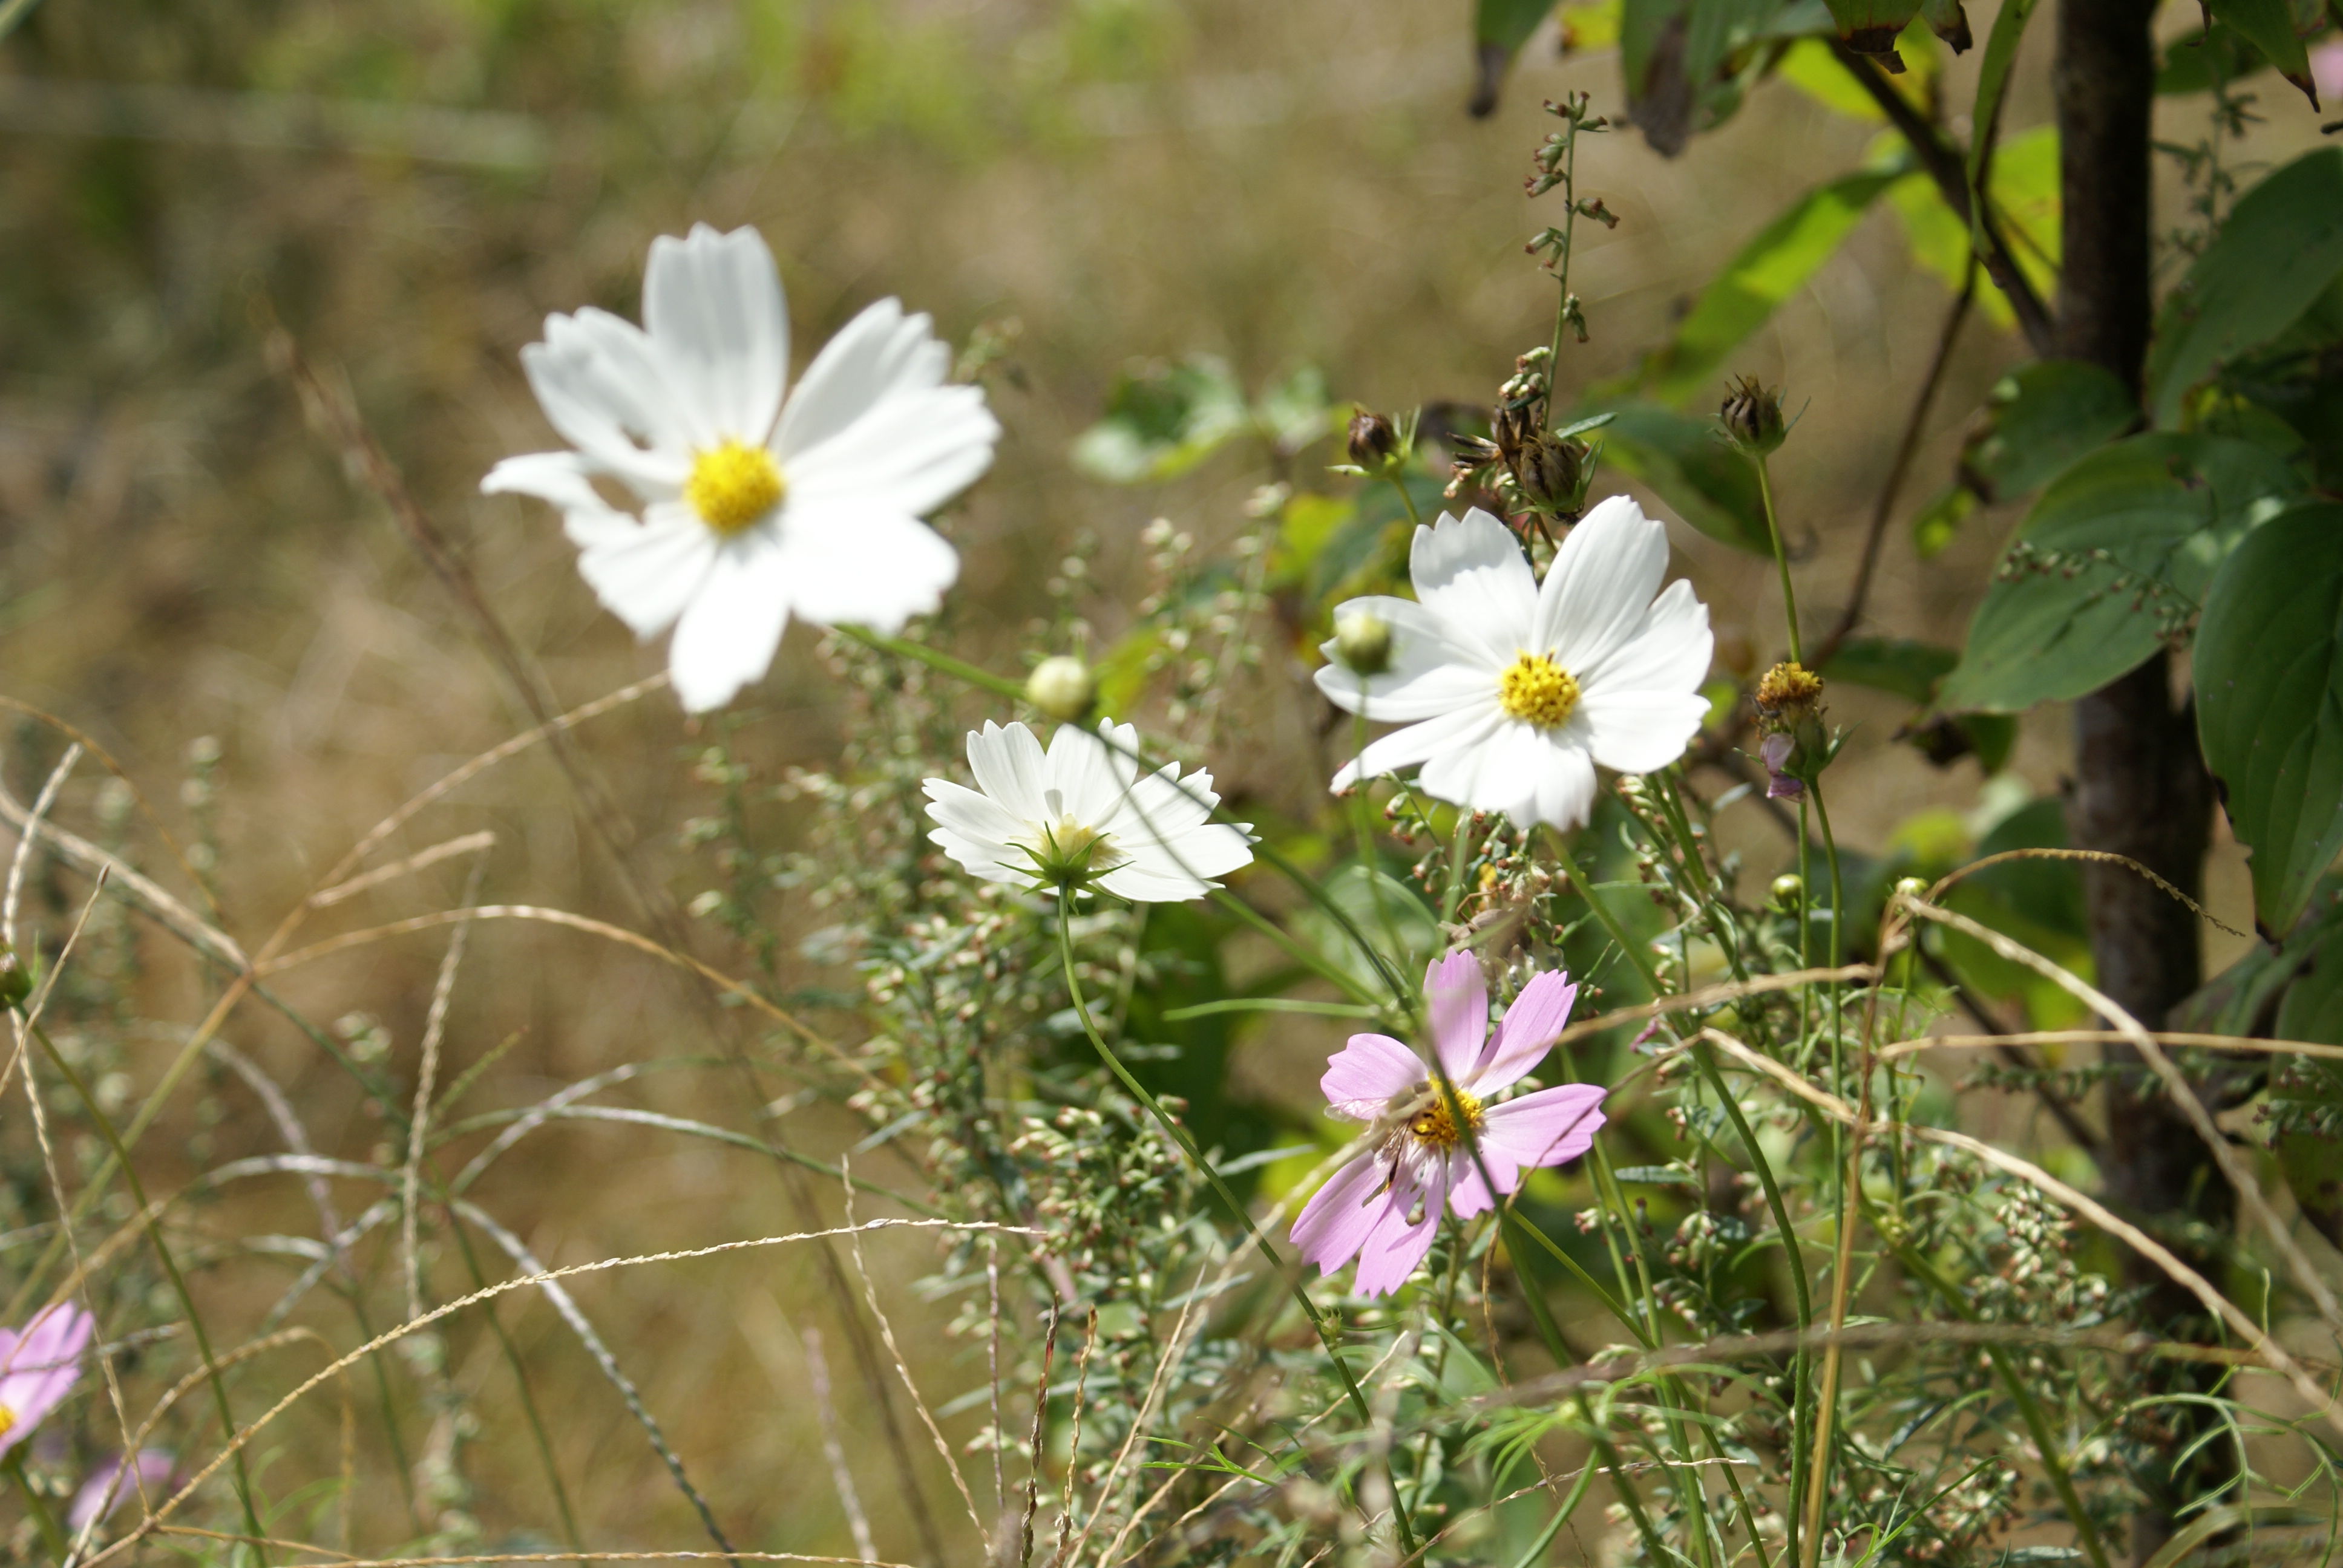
(1081, 814)
(1512, 690)
(754, 508)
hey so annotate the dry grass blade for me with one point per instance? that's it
(297, 1139)
(2240, 1178)
(426, 1078)
(18, 862)
(1040, 1412)
(2100, 857)
(766, 1328)
(895, 1355)
(468, 843)
(145, 806)
(1172, 1349)
(1074, 1441)
(2105, 1036)
(183, 920)
(1716, 996)
(489, 1557)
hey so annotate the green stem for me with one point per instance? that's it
(1562, 274)
(1781, 557)
(1454, 898)
(1397, 483)
(53, 1534)
(170, 1269)
(1187, 1145)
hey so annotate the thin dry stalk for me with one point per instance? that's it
(426, 1077)
(1713, 996)
(1040, 1410)
(1164, 1363)
(895, 1355)
(448, 849)
(767, 1328)
(18, 862)
(1074, 1443)
(182, 920)
(2104, 1036)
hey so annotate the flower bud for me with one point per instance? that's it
(1373, 441)
(1061, 688)
(1549, 469)
(1912, 888)
(16, 983)
(1789, 892)
(1788, 688)
(1779, 753)
(1363, 642)
(1752, 416)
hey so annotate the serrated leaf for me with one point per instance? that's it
(2039, 420)
(1776, 263)
(2268, 26)
(1162, 420)
(2280, 249)
(2116, 554)
(2268, 673)
(1705, 483)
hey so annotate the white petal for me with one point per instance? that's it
(869, 568)
(1640, 732)
(1462, 729)
(712, 305)
(561, 478)
(975, 831)
(1668, 650)
(1008, 765)
(1565, 786)
(1602, 580)
(646, 573)
(1162, 804)
(880, 354)
(727, 634)
(1430, 671)
(1472, 576)
(1091, 773)
(602, 387)
(911, 452)
(1530, 775)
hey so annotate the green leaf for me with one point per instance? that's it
(2192, 63)
(1896, 665)
(1687, 61)
(2039, 418)
(2268, 26)
(2268, 673)
(2114, 557)
(1681, 459)
(1769, 269)
(1993, 81)
(1870, 26)
(2277, 253)
(1508, 24)
(1947, 21)
(1162, 420)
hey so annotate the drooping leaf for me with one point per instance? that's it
(2113, 560)
(2268, 26)
(1162, 420)
(1687, 61)
(1707, 484)
(1776, 263)
(1870, 26)
(1947, 21)
(2280, 249)
(2039, 418)
(1500, 28)
(2269, 674)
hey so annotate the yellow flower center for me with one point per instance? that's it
(1535, 689)
(1435, 1127)
(732, 485)
(7, 1419)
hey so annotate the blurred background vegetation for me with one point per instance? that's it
(1078, 187)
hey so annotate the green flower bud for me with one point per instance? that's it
(1912, 888)
(15, 982)
(1752, 416)
(1789, 892)
(1061, 688)
(1363, 642)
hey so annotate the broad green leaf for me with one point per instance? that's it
(1507, 23)
(1708, 485)
(2192, 63)
(1687, 61)
(1896, 665)
(2268, 26)
(1993, 81)
(2039, 418)
(1162, 420)
(2269, 674)
(1809, 66)
(2023, 190)
(1870, 26)
(1769, 269)
(2296, 377)
(1947, 21)
(2280, 249)
(2113, 560)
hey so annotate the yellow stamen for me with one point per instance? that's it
(732, 485)
(1435, 1127)
(1535, 689)
(7, 1419)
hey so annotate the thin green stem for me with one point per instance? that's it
(1454, 897)
(1562, 274)
(1400, 484)
(1781, 557)
(1186, 1146)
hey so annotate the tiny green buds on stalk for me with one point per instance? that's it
(1061, 686)
(1752, 417)
(1363, 643)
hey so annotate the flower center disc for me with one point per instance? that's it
(1537, 690)
(732, 485)
(1433, 1126)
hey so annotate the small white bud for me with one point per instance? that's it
(1363, 643)
(1061, 688)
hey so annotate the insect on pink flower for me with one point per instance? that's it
(39, 1367)
(1383, 1206)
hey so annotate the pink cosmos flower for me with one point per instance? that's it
(1383, 1207)
(108, 1487)
(38, 1368)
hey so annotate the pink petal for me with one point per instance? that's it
(108, 1488)
(40, 1367)
(1395, 1249)
(1335, 1223)
(1361, 1077)
(1547, 1128)
(1527, 1032)
(1457, 998)
(1467, 1194)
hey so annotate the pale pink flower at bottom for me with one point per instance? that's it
(39, 1367)
(108, 1488)
(1383, 1207)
